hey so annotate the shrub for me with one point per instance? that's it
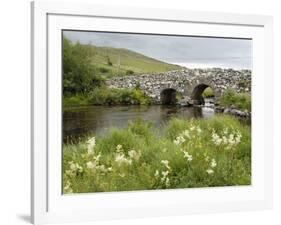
(129, 72)
(103, 70)
(240, 101)
(113, 96)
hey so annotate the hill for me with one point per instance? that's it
(110, 62)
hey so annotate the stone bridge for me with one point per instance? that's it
(164, 88)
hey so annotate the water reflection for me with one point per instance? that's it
(80, 121)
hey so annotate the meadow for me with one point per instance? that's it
(181, 154)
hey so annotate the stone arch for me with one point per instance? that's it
(168, 96)
(196, 94)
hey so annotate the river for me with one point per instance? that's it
(79, 122)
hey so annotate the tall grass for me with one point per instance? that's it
(182, 154)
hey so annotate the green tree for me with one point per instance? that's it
(78, 71)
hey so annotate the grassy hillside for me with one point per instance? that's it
(110, 62)
(86, 67)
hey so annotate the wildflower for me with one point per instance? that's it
(134, 155)
(67, 188)
(97, 158)
(164, 176)
(166, 164)
(199, 131)
(179, 140)
(101, 168)
(109, 169)
(216, 139)
(91, 165)
(156, 173)
(187, 156)
(213, 163)
(165, 173)
(210, 171)
(119, 148)
(167, 182)
(186, 133)
(91, 143)
(70, 173)
(121, 159)
(75, 167)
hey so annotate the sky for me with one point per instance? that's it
(192, 52)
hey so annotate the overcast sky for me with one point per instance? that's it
(183, 50)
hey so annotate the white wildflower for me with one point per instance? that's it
(101, 168)
(119, 148)
(91, 165)
(166, 164)
(186, 133)
(97, 158)
(91, 143)
(165, 173)
(121, 159)
(109, 169)
(179, 140)
(213, 163)
(164, 176)
(210, 171)
(156, 174)
(216, 139)
(199, 131)
(75, 167)
(187, 156)
(134, 155)
(67, 188)
(167, 182)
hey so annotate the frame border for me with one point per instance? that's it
(39, 89)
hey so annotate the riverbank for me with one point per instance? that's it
(185, 154)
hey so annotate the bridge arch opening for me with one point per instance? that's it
(168, 96)
(200, 92)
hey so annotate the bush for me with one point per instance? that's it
(181, 154)
(78, 72)
(129, 72)
(75, 100)
(103, 70)
(113, 96)
(240, 101)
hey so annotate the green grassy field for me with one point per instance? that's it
(118, 62)
(181, 154)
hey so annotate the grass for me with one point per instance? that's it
(109, 62)
(109, 96)
(122, 62)
(240, 101)
(181, 154)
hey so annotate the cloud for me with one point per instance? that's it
(186, 50)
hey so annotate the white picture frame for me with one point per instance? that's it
(48, 205)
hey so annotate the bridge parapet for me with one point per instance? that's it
(186, 82)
